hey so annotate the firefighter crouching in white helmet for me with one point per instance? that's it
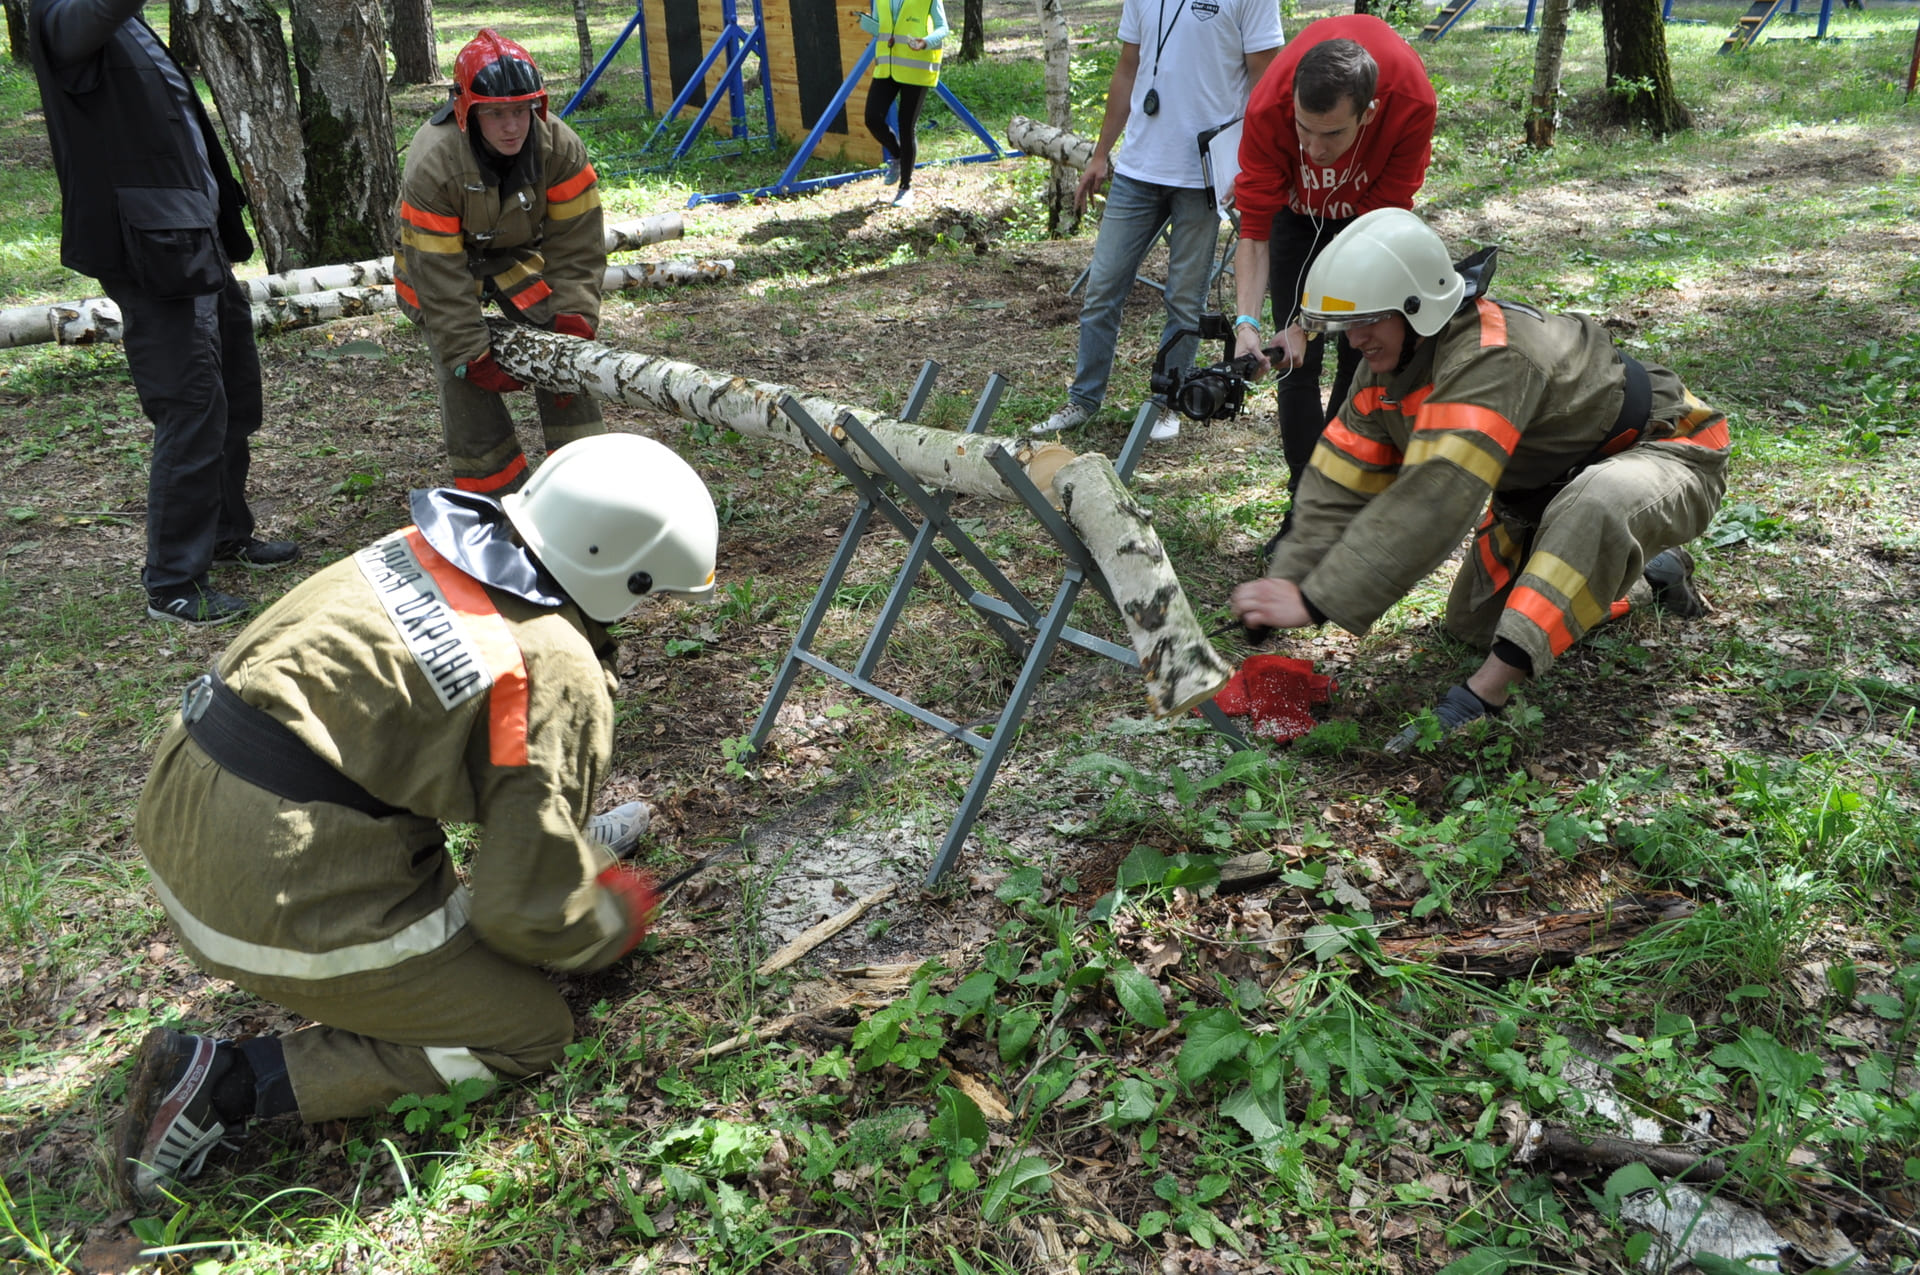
(1598, 467)
(498, 202)
(458, 670)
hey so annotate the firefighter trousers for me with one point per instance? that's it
(482, 446)
(1543, 588)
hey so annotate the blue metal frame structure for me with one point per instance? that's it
(737, 46)
(1030, 631)
(790, 182)
(1454, 10)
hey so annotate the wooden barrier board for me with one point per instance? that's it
(678, 34)
(811, 45)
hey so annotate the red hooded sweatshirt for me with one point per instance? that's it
(1385, 165)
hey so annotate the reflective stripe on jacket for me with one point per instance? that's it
(893, 57)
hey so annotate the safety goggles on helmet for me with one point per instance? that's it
(493, 69)
(1387, 262)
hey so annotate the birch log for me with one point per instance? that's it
(97, 319)
(1180, 666)
(1048, 142)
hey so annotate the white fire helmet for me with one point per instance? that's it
(615, 518)
(1388, 261)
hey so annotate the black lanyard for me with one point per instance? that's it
(1163, 34)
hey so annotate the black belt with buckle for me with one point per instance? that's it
(257, 747)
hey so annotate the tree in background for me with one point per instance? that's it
(180, 37)
(416, 52)
(973, 31)
(353, 169)
(1543, 110)
(599, 95)
(17, 30)
(1057, 49)
(1639, 74)
(243, 55)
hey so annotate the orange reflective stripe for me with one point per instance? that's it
(1470, 416)
(1373, 398)
(1493, 324)
(1369, 399)
(1717, 437)
(435, 222)
(1619, 609)
(495, 481)
(406, 293)
(507, 701)
(572, 186)
(1361, 448)
(1534, 605)
(1410, 405)
(534, 293)
(1497, 570)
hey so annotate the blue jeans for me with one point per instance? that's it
(1135, 213)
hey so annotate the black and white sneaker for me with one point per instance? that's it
(1671, 576)
(261, 555)
(193, 605)
(170, 1123)
(621, 828)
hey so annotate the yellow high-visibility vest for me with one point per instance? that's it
(893, 58)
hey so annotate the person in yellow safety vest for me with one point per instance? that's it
(459, 670)
(906, 63)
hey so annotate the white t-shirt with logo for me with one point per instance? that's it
(1200, 48)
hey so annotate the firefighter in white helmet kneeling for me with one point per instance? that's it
(459, 670)
(1578, 471)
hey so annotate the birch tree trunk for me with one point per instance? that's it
(584, 36)
(416, 51)
(1049, 142)
(243, 56)
(1181, 667)
(1543, 111)
(353, 170)
(1057, 43)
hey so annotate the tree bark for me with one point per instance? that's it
(1049, 142)
(1063, 219)
(1179, 664)
(1639, 75)
(973, 31)
(598, 97)
(1181, 667)
(243, 55)
(1543, 111)
(179, 36)
(416, 51)
(353, 170)
(17, 30)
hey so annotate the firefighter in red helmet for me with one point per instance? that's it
(498, 203)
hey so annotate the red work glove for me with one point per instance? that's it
(573, 325)
(634, 886)
(486, 373)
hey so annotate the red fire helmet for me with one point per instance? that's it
(492, 68)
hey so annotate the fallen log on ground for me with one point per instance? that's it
(1048, 142)
(1179, 663)
(97, 319)
(1510, 949)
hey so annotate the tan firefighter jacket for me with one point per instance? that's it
(1503, 399)
(535, 240)
(456, 702)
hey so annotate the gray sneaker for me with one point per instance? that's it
(1458, 707)
(892, 175)
(1066, 418)
(202, 608)
(1671, 576)
(170, 1124)
(621, 828)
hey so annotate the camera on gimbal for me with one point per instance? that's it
(1212, 393)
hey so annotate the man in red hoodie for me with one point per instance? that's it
(1341, 125)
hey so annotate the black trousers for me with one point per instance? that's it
(904, 148)
(197, 370)
(1294, 244)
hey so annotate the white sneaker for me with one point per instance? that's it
(621, 828)
(1168, 426)
(1066, 418)
(906, 198)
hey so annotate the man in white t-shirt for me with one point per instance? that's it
(1185, 66)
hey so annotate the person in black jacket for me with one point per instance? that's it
(150, 207)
